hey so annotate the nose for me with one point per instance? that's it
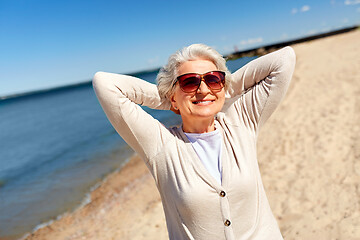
(203, 88)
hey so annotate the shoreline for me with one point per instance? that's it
(258, 51)
(114, 188)
(303, 185)
(84, 202)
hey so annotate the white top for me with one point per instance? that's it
(208, 148)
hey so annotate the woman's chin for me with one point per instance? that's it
(205, 113)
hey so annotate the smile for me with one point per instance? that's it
(203, 102)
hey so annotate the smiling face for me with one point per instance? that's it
(198, 109)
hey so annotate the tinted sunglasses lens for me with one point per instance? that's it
(189, 83)
(215, 80)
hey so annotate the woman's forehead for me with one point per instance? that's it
(196, 66)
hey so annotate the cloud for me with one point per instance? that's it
(251, 41)
(351, 2)
(305, 8)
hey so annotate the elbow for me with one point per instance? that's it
(290, 56)
(100, 80)
(100, 83)
(97, 78)
(286, 60)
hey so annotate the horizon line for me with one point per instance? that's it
(260, 50)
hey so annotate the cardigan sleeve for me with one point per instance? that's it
(120, 97)
(260, 85)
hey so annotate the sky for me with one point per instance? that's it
(45, 44)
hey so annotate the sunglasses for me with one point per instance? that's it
(190, 82)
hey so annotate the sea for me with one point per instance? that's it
(56, 146)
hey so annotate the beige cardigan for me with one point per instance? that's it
(196, 206)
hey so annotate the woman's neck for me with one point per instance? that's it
(199, 126)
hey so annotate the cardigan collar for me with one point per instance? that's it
(199, 166)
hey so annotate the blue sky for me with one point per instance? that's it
(53, 43)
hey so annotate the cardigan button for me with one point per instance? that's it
(222, 194)
(227, 223)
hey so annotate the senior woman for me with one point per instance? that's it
(206, 170)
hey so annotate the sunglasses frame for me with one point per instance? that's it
(222, 80)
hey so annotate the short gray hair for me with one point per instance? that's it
(168, 73)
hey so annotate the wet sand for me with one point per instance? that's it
(308, 151)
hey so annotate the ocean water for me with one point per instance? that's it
(54, 147)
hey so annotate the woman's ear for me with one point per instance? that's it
(173, 101)
(174, 107)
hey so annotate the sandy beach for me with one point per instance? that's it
(308, 152)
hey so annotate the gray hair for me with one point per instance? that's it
(168, 73)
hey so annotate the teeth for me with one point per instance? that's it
(202, 101)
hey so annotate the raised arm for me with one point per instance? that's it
(119, 96)
(263, 83)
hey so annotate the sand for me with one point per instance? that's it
(309, 156)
